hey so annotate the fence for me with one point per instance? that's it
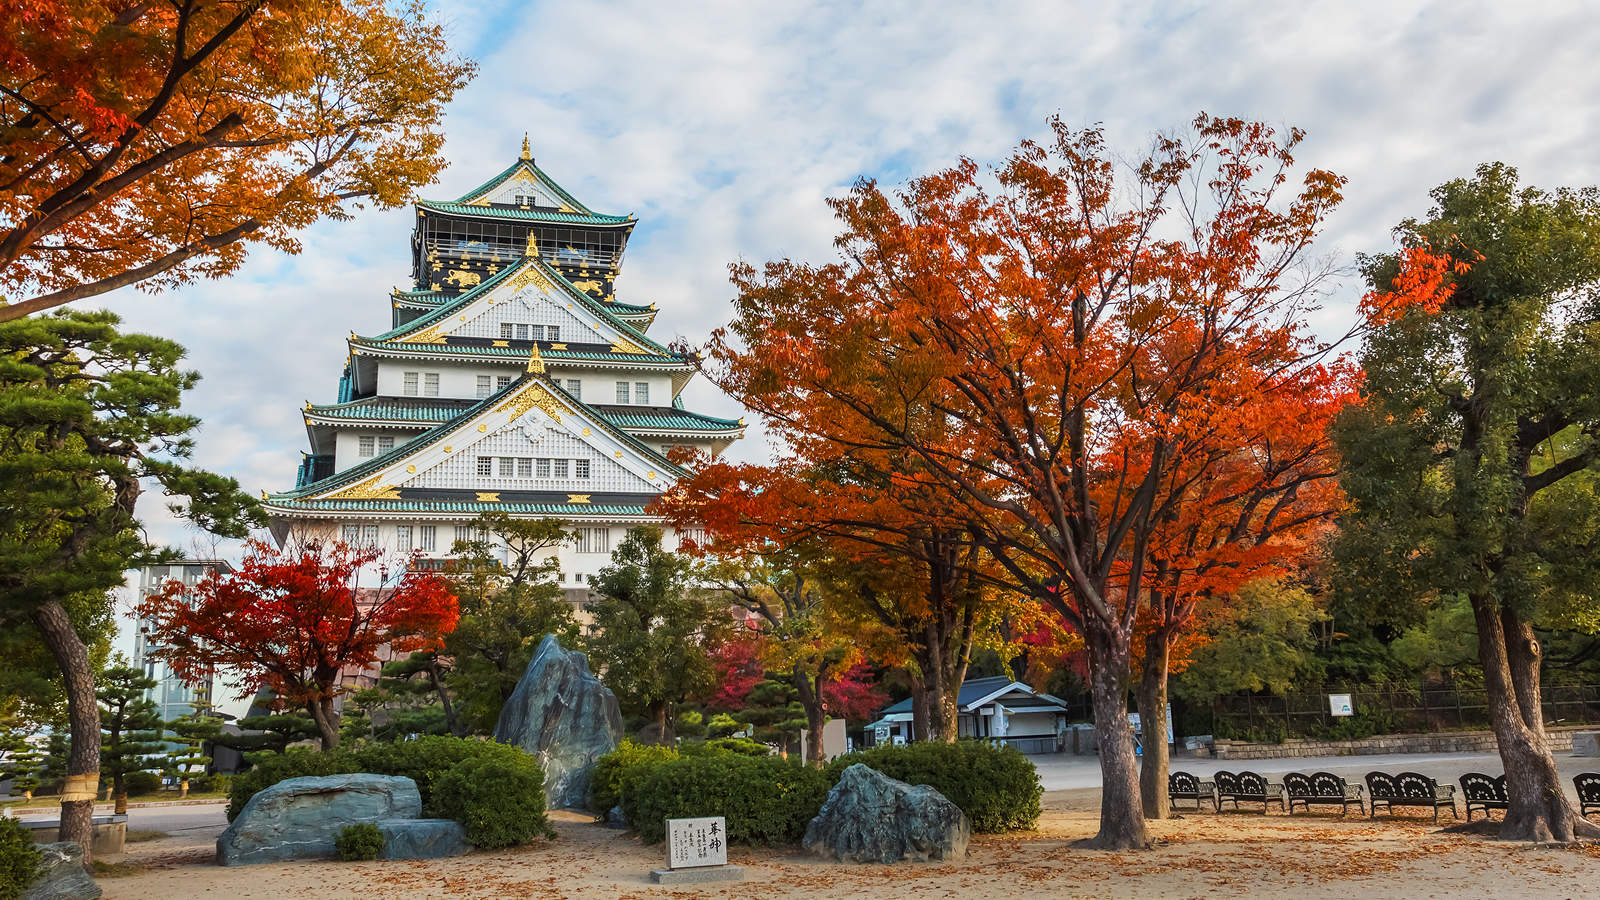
(1389, 709)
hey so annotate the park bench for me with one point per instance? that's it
(1249, 787)
(1321, 788)
(1409, 789)
(1185, 786)
(1484, 792)
(1588, 785)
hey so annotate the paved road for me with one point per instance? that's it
(194, 821)
(1060, 772)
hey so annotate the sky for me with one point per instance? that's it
(724, 128)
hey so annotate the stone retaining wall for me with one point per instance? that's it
(1560, 738)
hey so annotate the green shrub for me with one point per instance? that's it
(741, 746)
(205, 784)
(359, 842)
(427, 759)
(617, 772)
(499, 800)
(19, 859)
(141, 783)
(996, 787)
(766, 800)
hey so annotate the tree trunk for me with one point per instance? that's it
(1121, 818)
(1153, 721)
(1539, 810)
(83, 717)
(919, 708)
(327, 720)
(119, 793)
(450, 720)
(810, 694)
(945, 713)
(183, 788)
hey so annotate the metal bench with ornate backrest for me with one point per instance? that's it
(1185, 786)
(1410, 789)
(1249, 787)
(1322, 788)
(1588, 785)
(1483, 792)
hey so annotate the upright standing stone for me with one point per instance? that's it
(562, 714)
(870, 817)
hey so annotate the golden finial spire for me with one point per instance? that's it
(527, 152)
(535, 361)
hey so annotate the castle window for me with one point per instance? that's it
(508, 466)
(580, 468)
(641, 393)
(485, 466)
(525, 467)
(501, 381)
(552, 332)
(575, 388)
(364, 445)
(622, 392)
(410, 389)
(430, 384)
(426, 537)
(505, 330)
(483, 386)
(385, 443)
(541, 468)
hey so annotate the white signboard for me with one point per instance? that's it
(697, 842)
(1339, 705)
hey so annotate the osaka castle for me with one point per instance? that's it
(511, 379)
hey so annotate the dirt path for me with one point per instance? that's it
(1202, 855)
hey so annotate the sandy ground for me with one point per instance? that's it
(1201, 855)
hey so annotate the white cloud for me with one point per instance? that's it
(724, 127)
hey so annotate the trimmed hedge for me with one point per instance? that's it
(19, 859)
(766, 800)
(620, 771)
(431, 762)
(359, 842)
(996, 787)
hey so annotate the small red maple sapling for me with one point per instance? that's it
(291, 620)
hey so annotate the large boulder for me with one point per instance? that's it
(299, 818)
(562, 714)
(870, 817)
(422, 838)
(61, 875)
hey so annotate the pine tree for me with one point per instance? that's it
(131, 728)
(191, 731)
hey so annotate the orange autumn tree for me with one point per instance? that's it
(148, 143)
(292, 620)
(1055, 348)
(1229, 517)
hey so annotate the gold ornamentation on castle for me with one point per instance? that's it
(433, 334)
(488, 496)
(533, 394)
(535, 361)
(530, 275)
(623, 345)
(577, 498)
(587, 286)
(367, 490)
(464, 278)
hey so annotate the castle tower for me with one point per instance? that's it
(511, 379)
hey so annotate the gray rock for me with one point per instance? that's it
(422, 838)
(615, 818)
(300, 817)
(562, 714)
(870, 817)
(61, 875)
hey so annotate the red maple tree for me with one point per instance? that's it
(291, 620)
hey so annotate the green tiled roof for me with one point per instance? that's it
(395, 410)
(524, 215)
(436, 433)
(538, 174)
(667, 420)
(444, 311)
(456, 506)
(521, 353)
(389, 409)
